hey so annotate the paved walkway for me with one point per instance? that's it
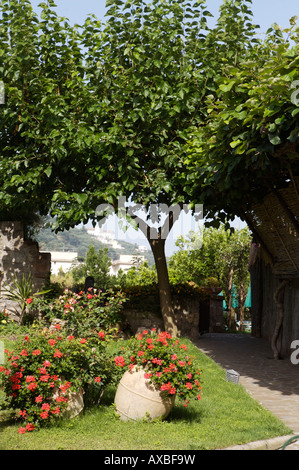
(273, 383)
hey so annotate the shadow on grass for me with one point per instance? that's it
(190, 414)
(178, 413)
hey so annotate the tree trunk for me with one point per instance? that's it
(158, 249)
(157, 239)
(241, 302)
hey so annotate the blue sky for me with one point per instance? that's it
(265, 13)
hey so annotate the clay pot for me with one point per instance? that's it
(137, 399)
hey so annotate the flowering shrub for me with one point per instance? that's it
(45, 368)
(84, 311)
(166, 363)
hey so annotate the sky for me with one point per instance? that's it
(265, 13)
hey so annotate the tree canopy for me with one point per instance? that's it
(152, 105)
(250, 141)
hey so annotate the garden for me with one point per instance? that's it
(63, 368)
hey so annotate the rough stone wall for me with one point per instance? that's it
(186, 311)
(18, 257)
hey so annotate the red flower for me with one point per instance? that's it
(44, 378)
(83, 341)
(44, 414)
(189, 385)
(32, 386)
(52, 342)
(119, 361)
(97, 379)
(30, 427)
(45, 406)
(58, 353)
(36, 352)
(89, 296)
(28, 301)
(39, 399)
(101, 334)
(21, 430)
(30, 378)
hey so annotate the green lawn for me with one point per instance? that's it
(225, 416)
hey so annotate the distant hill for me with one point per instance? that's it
(79, 240)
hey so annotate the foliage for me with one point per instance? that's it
(165, 362)
(221, 257)
(96, 264)
(80, 133)
(85, 311)
(22, 292)
(44, 368)
(249, 143)
(142, 275)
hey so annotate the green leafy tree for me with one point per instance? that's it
(96, 264)
(103, 111)
(223, 255)
(249, 144)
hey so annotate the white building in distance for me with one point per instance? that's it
(125, 262)
(62, 260)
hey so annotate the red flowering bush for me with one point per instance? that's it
(43, 370)
(166, 363)
(84, 311)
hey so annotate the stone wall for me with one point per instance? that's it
(186, 312)
(18, 257)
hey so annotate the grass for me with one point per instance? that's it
(226, 415)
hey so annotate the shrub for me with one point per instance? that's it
(44, 363)
(166, 362)
(84, 311)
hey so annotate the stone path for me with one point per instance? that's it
(273, 383)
